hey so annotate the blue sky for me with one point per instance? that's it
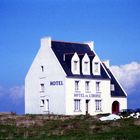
(114, 25)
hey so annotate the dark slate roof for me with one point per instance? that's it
(119, 92)
(64, 52)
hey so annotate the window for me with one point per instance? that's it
(112, 87)
(42, 87)
(85, 66)
(96, 67)
(42, 102)
(98, 105)
(75, 65)
(77, 105)
(42, 68)
(76, 85)
(87, 87)
(97, 86)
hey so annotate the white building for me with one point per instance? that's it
(69, 78)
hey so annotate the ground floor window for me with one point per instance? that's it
(42, 102)
(77, 105)
(98, 105)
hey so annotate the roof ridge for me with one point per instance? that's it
(69, 42)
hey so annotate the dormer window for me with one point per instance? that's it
(96, 67)
(75, 64)
(86, 65)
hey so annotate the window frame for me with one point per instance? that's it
(42, 102)
(112, 87)
(75, 65)
(77, 105)
(98, 86)
(98, 105)
(96, 67)
(42, 68)
(77, 85)
(42, 87)
(87, 86)
(86, 63)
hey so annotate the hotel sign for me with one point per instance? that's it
(56, 83)
(87, 95)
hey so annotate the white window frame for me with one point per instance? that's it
(42, 102)
(77, 105)
(75, 65)
(87, 85)
(98, 105)
(76, 85)
(86, 64)
(42, 87)
(98, 86)
(47, 105)
(42, 68)
(112, 87)
(96, 67)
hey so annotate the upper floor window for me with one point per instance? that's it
(42, 87)
(96, 67)
(97, 86)
(75, 65)
(42, 68)
(112, 87)
(87, 86)
(85, 66)
(76, 85)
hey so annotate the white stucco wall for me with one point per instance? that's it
(122, 102)
(52, 72)
(81, 94)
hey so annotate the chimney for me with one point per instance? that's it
(46, 42)
(106, 62)
(90, 44)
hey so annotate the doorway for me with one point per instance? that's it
(87, 107)
(115, 107)
(47, 106)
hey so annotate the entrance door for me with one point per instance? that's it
(87, 106)
(47, 105)
(115, 107)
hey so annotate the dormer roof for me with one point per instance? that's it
(64, 52)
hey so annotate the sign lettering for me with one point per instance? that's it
(87, 95)
(56, 83)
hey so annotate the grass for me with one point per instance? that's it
(67, 128)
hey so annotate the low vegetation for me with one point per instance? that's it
(55, 127)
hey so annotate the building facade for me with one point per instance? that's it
(69, 78)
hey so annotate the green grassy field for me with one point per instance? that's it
(32, 127)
